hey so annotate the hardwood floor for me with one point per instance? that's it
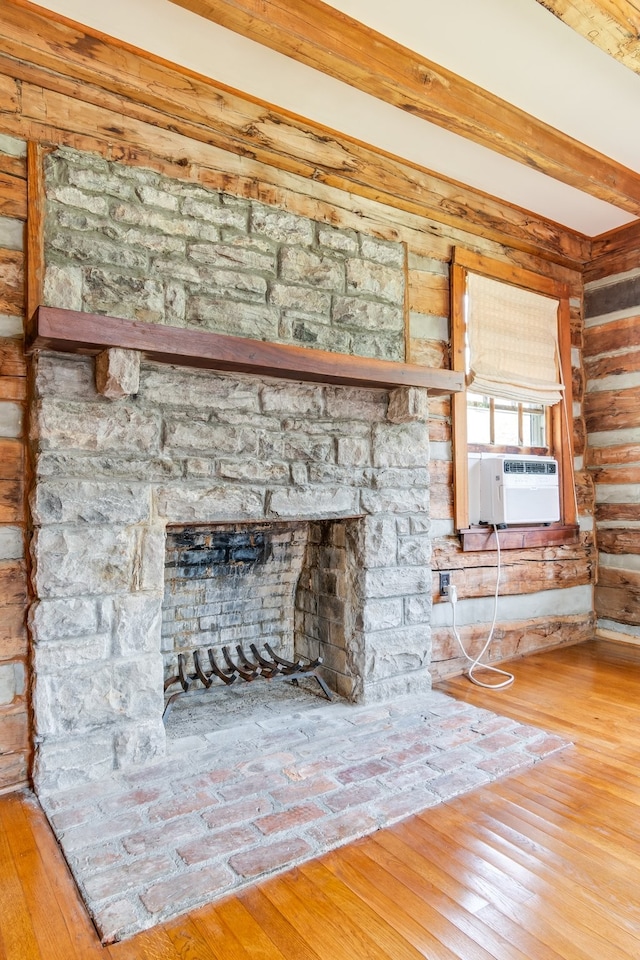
(540, 865)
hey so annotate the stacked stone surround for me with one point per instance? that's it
(131, 243)
(195, 447)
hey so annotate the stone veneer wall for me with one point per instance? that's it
(194, 447)
(131, 243)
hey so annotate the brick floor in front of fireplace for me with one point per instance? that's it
(238, 804)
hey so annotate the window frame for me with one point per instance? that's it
(560, 440)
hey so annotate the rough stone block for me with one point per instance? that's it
(418, 609)
(368, 315)
(51, 620)
(304, 299)
(60, 766)
(310, 268)
(414, 550)
(123, 295)
(396, 581)
(382, 251)
(254, 320)
(408, 404)
(211, 438)
(106, 694)
(142, 742)
(172, 386)
(209, 209)
(354, 451)
(209, 504)
(117, 373)
(244, 253)
(400, 500)
(91, 560)
(73, 501)
(338, 240)
(313, 332)
(136, 623)
(73, 197)
(71, 425)
(401, 445)
(292, 399)
(281, 226)
(380, 545)
(382, 614)
(313, 502)
(63, 287)
(65, 376)
(365, 278)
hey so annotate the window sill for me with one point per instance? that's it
(516, 538)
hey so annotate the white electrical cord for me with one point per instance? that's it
(453, 599)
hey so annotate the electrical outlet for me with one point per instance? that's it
(445, 583)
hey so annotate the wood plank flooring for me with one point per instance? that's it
(541, 865)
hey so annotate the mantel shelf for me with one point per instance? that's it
(75, 332)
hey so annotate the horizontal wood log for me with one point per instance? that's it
(618, 603)
(13, 388)
(315, 34)
(449, 555)
(429, 293)
(13, 197)
(612, 366)
(614, 335)
(612, 25)
(619, 541)
(74, 332)
(618, 473)
(15, 167)
(614, 252)
(612, 409)
(441, 501)
(11, 501)
(11, 459)
(516, 579)
(617, 511)
(13, 630)
(617, 577)
(11, 282)
(441, 471)
(13, 584)
(439, 430)
(511, 639)
(14, 768)
(14, 728)
(12, 360)
(42, 52)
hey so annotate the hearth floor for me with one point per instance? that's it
(239, 804)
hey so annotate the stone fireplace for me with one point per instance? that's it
(328, 482)
(196, 449)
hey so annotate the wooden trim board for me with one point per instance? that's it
(75, 332)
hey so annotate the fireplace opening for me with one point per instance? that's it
(271, 594)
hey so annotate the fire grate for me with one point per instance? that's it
(271, 667)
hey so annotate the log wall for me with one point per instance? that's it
(612, 368)
(134, 110)
(14, 722)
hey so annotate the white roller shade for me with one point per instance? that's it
(513, 342)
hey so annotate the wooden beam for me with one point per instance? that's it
(611, 25)
(614, 252)
(63, 68)
(322, 37)
(86, 333)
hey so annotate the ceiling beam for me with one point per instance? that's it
(62, 66)
(612, 25)
(322, 37)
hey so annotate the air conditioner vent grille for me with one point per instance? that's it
(530, 467)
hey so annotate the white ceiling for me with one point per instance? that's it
(514, 48)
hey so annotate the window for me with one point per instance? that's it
(519, 381)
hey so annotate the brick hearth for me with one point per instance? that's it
(258, 798)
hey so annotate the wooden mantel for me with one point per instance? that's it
(75, 332)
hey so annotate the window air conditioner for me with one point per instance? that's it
(519, 489)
